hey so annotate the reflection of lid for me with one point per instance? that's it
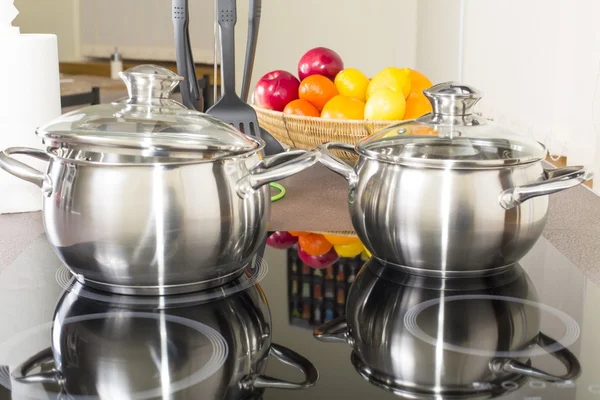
(451, 136)
(147, 123)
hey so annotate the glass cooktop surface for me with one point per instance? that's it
(527, 332)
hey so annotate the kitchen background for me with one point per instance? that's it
(536, 61)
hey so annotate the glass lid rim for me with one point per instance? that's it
(107, 141)
(449, 162)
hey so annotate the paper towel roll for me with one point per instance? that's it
(30, 98)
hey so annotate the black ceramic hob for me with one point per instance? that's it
(36, 285)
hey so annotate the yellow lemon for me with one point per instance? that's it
(350, 82)
(385, 104)
(366, 254)
(349, 250)
(397, 79)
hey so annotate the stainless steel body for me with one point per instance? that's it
(388, 354)
(441, 195)
(156, 228)
(129, 354)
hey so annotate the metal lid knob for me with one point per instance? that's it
(146, 82)
(451, 98)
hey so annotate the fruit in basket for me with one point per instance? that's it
(314, 244)
(317, 90)
(385, 104)
(276, 89)
(340, 239)
(301, 107)
(342, 107)
(417, 105)
(298, 233)
(349, 250)
(323, 261)
(418, 82)
(350, 82)
(282, 240)
(397, 79)
(366, 254)
(320, 61)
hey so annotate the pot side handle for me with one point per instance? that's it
(276, 167)
(335, 331)
(558, 180)
(335, 164)
(20, 373)
(24, 171)
(290, 357)
(563, 355)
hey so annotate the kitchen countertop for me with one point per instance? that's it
(316, 201)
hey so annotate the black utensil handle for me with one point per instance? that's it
(253, 26)
(190, 93)
(227, 17)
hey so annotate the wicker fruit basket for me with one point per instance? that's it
(302, 132)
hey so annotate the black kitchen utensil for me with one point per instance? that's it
(190, 92)
(230, 108)
(272, 145)
(253, 25)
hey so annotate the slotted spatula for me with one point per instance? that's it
(230, 108)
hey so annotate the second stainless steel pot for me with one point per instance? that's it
(449, 193)
(146, 197)
(110, 347)
(425, 337)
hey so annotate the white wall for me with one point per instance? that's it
(368, 35)
(60, 17)
(438, 40)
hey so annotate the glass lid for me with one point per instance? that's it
(451, 136)
(147, 121)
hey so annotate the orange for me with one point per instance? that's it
(416, 105)
(301, 107)
(418, 81)
(338, 239)
(350, 82)
(317, 90)
(342, 107)
(298, 233)
(314, 244)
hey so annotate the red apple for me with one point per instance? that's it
(275, 89)
(323, 261)
(321, 61)
(282, 240)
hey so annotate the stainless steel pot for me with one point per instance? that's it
(449, 193)
(120, 349)
(410, 334)
(144, 196)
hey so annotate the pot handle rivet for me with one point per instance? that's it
(509, 365)
(559, 179)
(274, 168)
(335, 164)
(287, 356)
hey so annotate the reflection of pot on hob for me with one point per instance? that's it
(201, 345)
(422, 336)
